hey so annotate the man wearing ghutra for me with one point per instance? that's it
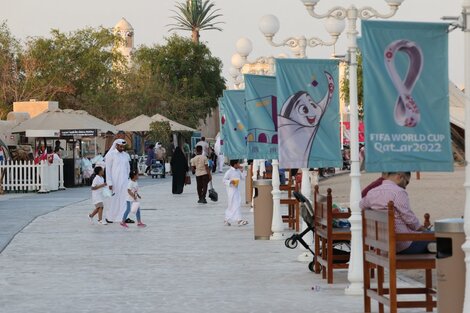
(117, 176)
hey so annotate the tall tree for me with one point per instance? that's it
(195, 16)
(78, 69)
(181, 80)
(10, 55)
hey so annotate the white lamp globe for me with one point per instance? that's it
(233, 72)
(334, 26)
(237, 61)
(269, 25)
(239, 79)
(394, 2)
(244, 46)
(310, 2)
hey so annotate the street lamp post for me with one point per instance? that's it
(352, 14)
(269, 25)
(466, 245)
(239, 59)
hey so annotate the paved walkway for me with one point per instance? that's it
(186, 260)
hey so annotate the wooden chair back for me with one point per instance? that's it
(379, 248)
(326, 237)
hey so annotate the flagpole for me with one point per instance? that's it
(352, 14)
(466, 245)
(239, 60)
(269, 25)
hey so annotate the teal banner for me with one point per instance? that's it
(261, 109)
(308, 113)
(406, 96)
(234, 124)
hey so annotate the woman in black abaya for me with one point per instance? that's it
(179, 168)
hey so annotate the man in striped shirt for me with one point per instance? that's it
(393, 189)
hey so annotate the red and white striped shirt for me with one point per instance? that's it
(405, 220)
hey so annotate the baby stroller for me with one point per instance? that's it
(157, 169)
(307, 213)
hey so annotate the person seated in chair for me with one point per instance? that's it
(393, 189)
(374, 184)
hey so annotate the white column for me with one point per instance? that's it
(355, 268)
(44, 177)
(262, 167)
(254, 178)
(277, 227)
(466, 245)
(61, 174)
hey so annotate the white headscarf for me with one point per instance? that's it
(113, 147)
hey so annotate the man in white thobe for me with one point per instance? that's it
(117, 176)
(204, 145)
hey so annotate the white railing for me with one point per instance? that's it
(27, 176)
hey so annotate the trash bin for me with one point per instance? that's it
(263, 208)
(450, 264)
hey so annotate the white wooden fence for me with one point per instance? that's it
(26, 176)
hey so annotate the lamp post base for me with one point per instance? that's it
(277, 236)
(354, 289)
(305, 257)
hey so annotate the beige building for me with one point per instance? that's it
(33, 107)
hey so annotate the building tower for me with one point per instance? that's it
(124, 29)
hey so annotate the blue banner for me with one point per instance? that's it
(308, 113)
(261, 109)
(235, 124)
(406, 96)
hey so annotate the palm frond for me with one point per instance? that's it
(196, 15)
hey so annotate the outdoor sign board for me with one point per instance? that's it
(78, 132)
(42, 133)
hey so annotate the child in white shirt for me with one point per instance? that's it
(231, 179)
(132, 196)
(97, 195)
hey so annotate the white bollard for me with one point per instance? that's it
(44, 177)
(61, 175)
(277, 227)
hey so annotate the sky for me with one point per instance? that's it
(30, 18)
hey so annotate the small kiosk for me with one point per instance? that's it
(76, 133)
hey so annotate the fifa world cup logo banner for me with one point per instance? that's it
(261, 109)
(308, 113)
(234, 124)
(406, 96)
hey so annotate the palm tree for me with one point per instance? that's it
(195, 15)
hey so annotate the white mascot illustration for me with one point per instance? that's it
(299, 121)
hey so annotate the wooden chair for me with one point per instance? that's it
(379, 240)
(293, 205)
(326, 236)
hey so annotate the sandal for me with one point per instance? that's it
(242, 222)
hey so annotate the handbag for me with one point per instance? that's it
(135, 206)
(187, 179)
(107, 193)
(213, 195)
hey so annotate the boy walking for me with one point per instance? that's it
(200, 167)
(232, 179)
